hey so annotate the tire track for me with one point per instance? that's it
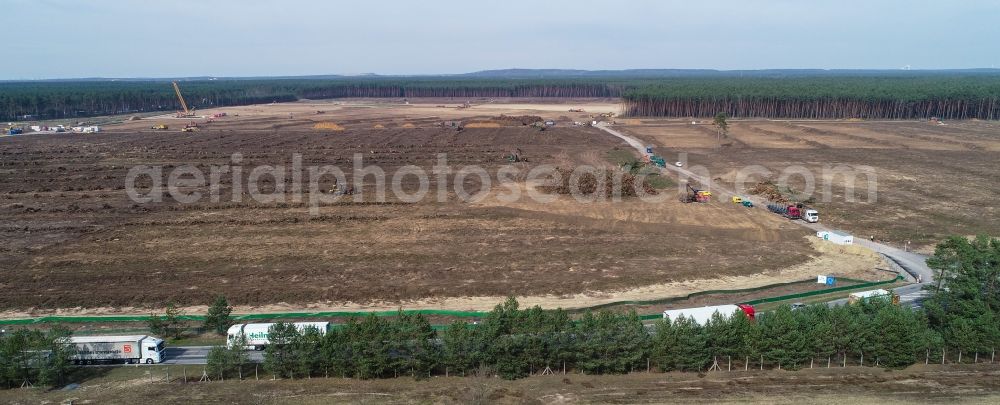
(938, 138)
(785, 137)
(734, 142)
(826, 132)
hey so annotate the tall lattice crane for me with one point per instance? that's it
(187, 113)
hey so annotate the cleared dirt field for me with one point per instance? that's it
(387, 113)
(72, 240)
(851, 385)
(932, 180)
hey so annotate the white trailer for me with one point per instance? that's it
(838, 237)
(116, 349)
(255, 334)
(702, 315)
(873, 295)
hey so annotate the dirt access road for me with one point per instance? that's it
(914, 263)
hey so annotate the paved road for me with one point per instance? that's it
(197, 355)
(915, 265)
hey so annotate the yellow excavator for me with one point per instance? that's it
(186, 113)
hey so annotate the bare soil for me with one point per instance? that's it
(72, 241)
(931, 180)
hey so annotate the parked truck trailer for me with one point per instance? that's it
(130, 349)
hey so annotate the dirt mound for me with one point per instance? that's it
(587, 184)
(768, 190)
(515, 120)
(483, 124)
(331, 126)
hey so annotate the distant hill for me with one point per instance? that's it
(671, 73)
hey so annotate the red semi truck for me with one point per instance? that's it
(795, 211)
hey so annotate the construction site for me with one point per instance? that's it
(533, 202)
(70, 227)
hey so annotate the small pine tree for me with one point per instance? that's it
(218, 318)
(57, 366)
(156, 325)
(280, 355)
(172, 325)
(692, 345)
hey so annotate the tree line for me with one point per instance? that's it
(52, 100)
(948, 96)
(917, 97)
(514, 343)
(30, 356)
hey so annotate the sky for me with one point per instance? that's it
(45, 39)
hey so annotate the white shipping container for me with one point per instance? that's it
(838, 237)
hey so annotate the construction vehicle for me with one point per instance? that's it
(741, 201)
(187, 113)
(696, 195)
(159, 127)
(190, 127)
(795, 211)
(515, 156)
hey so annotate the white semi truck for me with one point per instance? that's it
(255, 334)
(129, 349)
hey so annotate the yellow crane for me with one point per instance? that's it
(187, 113)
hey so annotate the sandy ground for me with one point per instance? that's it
(366, 113)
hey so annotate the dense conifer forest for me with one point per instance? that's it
(947, 96)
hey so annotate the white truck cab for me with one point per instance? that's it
(811, 216)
